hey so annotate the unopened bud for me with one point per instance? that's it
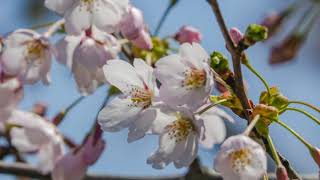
(40, 109)
(282, 173)
(58, 118)
(315, 153)
(254, 34)
(287, 49)
(219, 62)
(188, 34)
(236, 35)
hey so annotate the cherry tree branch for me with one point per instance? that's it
(237, 55)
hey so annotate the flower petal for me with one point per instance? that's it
(59, 6)
(146, 72)
(118, 114)
(78, 18)
(122, 75)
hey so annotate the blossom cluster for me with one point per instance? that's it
(163, 94)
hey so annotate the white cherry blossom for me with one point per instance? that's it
(180, 133)
(241, 158)
(31, 133)
(11, 93)
(139, 89)
(80, 15)
(186, 78)
(85, 55)
(27, 54)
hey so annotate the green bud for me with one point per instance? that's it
(218, 61)
(275, 99)
(255, 33)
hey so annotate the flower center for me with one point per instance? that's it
(194, 78)
(240, 159)
(180, 128)
(35, 51)
(141, 97)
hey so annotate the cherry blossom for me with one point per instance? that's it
(133, 28)
(31, 133)
(241, 158)
(74, 165)
(180, 133)
(85, 55)
(139, 89)
(27, 54)
(81, 15)
(188, 34)
(186, 78)
(11, 93)
(236, 35)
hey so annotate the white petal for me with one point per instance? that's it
(146, 72)
(190, 153)
(107, 14)
(122, 75)
(85, 79)
(65, 49)
(118, 114)
(48, 155)
(60, 6)
(12, 61)
(21, 141)
(170, 70)
(189, 56)
(78, 19)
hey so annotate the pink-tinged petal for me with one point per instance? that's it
(78, 18)
(236, 35)
(19, 37)
(201, 53)
(86, 80)
(65, 49)
(69, 167)
(122, 75)
(112, 117)
(107, 14)
(143, 40)
(59, 6)
(12, 61)
(91, 54)
(132, 24)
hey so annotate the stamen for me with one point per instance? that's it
(180, 128)
(240, 159)
(35, 51)
(194, 78)
(141, 97)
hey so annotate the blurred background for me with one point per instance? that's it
(298, 80)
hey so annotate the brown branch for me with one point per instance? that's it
(237, 55)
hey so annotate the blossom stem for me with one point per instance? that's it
(210, 106)
(251, 68)
(221, 81)
(163, 18)
(40, 26)
(301, 139)
(60, 116)
(53, 28)
(306, 104)
(251, 125)
(274, 151)
(303, 112)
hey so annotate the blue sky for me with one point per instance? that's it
(298, 80)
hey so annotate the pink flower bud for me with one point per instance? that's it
(315, 153)
(188, 34)
(93, 148)
(236, 35)
(143, 41)
(133, 28)
(40, 109)
(282, 173)
(132, 24)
